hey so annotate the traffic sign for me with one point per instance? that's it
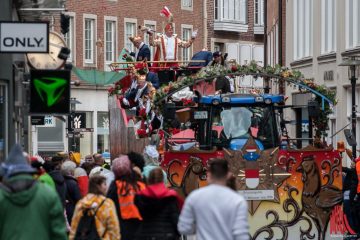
(83, 130)
(76, 135)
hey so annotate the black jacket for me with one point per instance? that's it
(160, 218)
(72, 196)
(59, 180)
(127, 227)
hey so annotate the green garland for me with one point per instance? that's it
(210, 73)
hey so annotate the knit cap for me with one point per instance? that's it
(121, 166)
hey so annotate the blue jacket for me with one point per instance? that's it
(202, 55)
(154, 79)
(144, 52)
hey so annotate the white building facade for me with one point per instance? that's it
(319, 34)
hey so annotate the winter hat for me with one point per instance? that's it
(217, 54)
(121, 166)
(16, 163)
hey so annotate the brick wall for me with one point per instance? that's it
(273, 18)
(234, 36)
(136, 9)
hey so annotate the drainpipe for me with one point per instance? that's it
(205, 18)
(266, 80)
(281, 83)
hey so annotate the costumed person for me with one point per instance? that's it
(134, 96)
(167, 44)
(122, 191)
(143, 52)
(160, 209)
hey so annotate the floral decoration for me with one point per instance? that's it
(321, 123)
(127, 58)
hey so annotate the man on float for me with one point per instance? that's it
(167, 44)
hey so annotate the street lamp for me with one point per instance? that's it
(73, 103)
(353, 73)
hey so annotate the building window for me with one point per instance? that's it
(259, 12)
(150, 25)
(352, 23)
(186, 35)
(231, 10)
(51, 135)
(69, 38)
(303, 26)
(130, 31)
(328, 26)
(186, 4)
(89, 40)
(103, 139)
(110, 42)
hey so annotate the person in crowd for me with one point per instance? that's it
(159, 208)
(122, 191)
(88, 166)
(73, 194)
(38, 163)
(29, 209)
(108, 174)
(106, 221)
(151, 157)
(215, 211)
(56, 175)
(82, 180)
(167, 45)
(98, 159)
(349, 193)
(137, 160)
(143, 50)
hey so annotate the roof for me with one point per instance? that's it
(242, 98)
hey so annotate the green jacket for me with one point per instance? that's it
(45, 178)
(30, 211)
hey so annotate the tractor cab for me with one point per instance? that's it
(228, 120)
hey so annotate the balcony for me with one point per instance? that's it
(231, 15)
(259, 29)
(230, 26)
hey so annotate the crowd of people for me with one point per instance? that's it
(60, 198)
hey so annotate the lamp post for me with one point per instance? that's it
(73, 103)
(353, 73)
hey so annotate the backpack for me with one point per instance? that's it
(86, 229)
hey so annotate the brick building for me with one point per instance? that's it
(98, 31)
(236, 27)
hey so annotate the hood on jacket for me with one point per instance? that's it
(91, 201)
(20, 189)
(160, 191)
(57, 177)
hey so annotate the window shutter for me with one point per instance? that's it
(233, 51)
(245, 58)
(258, 56)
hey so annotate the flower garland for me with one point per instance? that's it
(321, 123)
(293, 77)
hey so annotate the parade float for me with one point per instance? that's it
(292, 193)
